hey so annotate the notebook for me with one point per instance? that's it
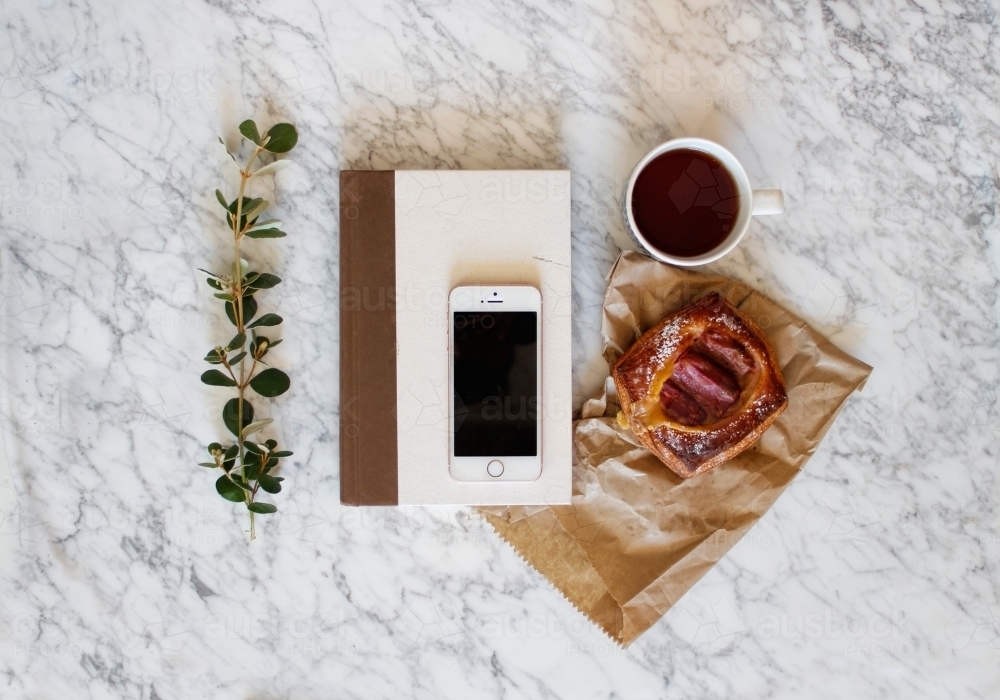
(407, 238)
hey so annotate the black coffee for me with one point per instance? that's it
(685, 202)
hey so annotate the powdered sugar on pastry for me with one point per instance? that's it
(733, 347)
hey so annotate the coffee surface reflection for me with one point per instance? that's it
(685, 202)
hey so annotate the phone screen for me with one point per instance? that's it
(496, 380)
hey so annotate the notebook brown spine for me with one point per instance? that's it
(368, 445)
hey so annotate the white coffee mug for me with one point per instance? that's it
(752, 202)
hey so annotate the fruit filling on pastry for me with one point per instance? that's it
(725, 350)
(680, 405)
(700, 388)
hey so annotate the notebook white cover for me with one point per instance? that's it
(458, 228)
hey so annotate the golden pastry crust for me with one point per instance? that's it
(640, 373)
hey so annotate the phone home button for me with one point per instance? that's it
(494, 468)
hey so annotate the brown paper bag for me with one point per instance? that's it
(637, 536)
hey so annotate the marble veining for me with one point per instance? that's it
(124, 576)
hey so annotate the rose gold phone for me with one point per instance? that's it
(495, 381)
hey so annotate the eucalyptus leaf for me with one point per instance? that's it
(266, 223)
(282, 138)
(237, 358)
(240, 269)
(209, 272)
(228, 490)
(238, 341)
(257, 425)
(248, 204)
(256, 208)
(282, 453)
(232, 205)
(209, 465)
(266, 320)
(266, 233)
(213, 283)
(265, 281)
(262, 508)
(223, 295)
(269, 483)
(270, 383)
(276, 166)
(249, 309)
(230, 412)
(227, 150)
(252, 446)
(222, 199)
(214, 377)
(232, 452)
(249, 130)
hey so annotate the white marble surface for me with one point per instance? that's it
(124, 576)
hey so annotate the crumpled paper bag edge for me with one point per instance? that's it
(647, 607)
(612, 632)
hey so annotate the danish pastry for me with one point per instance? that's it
(700, 387)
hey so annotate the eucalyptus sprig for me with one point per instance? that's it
(247, 465)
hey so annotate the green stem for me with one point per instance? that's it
(245, 175)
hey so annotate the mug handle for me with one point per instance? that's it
(767, 202)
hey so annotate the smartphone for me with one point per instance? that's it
(495, 380)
